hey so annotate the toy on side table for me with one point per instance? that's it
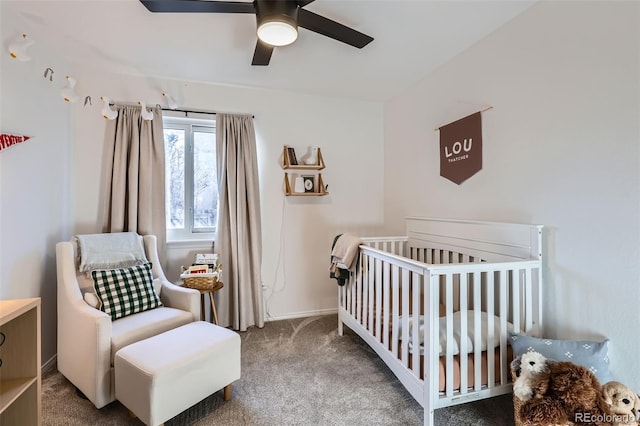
(623, 403)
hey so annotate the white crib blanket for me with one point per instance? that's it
(457, 320)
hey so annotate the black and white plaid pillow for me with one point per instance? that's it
(125, 291)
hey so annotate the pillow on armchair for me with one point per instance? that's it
(92, 299)
(125, 291)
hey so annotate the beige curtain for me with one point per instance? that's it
(134, 175)
(239, 232)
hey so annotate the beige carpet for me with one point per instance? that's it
(294, 372)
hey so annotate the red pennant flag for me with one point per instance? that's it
(7, 140)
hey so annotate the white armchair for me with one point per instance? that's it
(88, 338)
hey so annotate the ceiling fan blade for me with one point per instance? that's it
(303, 3)
(262, 54)
(329, 28)
(198, 6)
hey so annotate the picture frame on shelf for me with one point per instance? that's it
(309, 183)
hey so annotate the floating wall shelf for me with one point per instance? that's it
(290, 162)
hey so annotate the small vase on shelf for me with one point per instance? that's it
(311, 157)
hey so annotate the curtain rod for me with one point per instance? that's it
(186, 111)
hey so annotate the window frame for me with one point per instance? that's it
(190, 126)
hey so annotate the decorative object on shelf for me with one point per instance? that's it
(311, 157)
(146, 114)
(18, 48)
(69, 92)
(309, 183)
(8, 140)
(291, 156)
(107, 112)
(299, 185)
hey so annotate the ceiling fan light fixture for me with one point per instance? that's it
(278, 32)
(277, 21)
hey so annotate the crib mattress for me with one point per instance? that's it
(457, 338)
(456, 344)
(484, 376)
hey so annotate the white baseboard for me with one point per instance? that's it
(301, 314)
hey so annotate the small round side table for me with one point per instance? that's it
(214, 313)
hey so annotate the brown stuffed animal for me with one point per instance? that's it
(623, 403)
(567, 394)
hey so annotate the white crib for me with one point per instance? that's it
(446, 279)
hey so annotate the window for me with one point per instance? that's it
(191, 178)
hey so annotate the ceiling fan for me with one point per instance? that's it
(277, 21)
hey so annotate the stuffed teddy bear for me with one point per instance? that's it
(565, 394)
(528, 367)
(624, 403)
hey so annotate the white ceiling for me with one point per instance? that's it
(411, 38)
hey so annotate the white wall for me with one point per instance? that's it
(560, 149)
(50, 186)
(297, 231)
(35, 196)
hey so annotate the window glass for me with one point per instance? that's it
(174, 180)
(205, 187)
(191, 178)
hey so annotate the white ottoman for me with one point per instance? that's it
(160, 377)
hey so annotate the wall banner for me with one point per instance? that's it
(8, 140)
(461, 148)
